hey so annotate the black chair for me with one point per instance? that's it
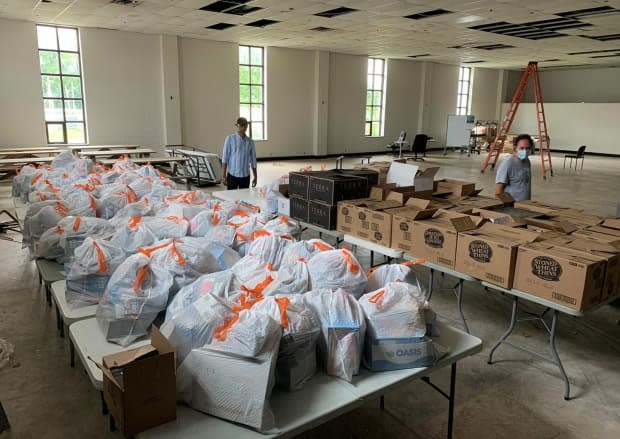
(398, 143)
(581, 152)
(419, 147)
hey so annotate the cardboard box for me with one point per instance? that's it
(382, 354)
(382, 169)
(331, 188)
(602, 237)
(467, 204)
(139, 385)
(435, 239)
(537, 206)
(610, 253)
(580, 219)
(322, 215)
(559, 274)
(455, 188)
(489, 253)
(415, 209)
(299, 183)
(555, 224)
(373, 220)
(298, 208)
(612, 223)
(403, 174)
(604, 230)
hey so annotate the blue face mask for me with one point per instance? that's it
(523, 154)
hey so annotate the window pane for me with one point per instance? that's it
(70, 63)
(72, 87)
(257, 94)
(49, 62)
(370, 82)
(378, 83)
(68, 39)
(53, 110)
(371, 64)
(51, 86)
(244, 93)
(368, 113)
(55, 133)
(73, 110)
(367, 129)
(257, 113)
(466, 74)
(377, 98)
(379, 66)
(368, 98)
(376, 128)
(257, 131)
(376, 114)
(244, 74)
(257, 75)
(244, 55)
(75, 133)
(244, 111)
(256, 55)
(46, 37)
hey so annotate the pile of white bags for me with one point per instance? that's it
(335, 269)
(343, 328)
(132, 234)
(136, 293)
(384, 274)
(304, 250)
(268, 248)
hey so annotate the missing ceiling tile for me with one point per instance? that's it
(220, 26)
(428, 14)
(589, 12)
(493, 46)
(610, 37)
(262, 23)
(322, 29)
(419, 56)
(335, 12)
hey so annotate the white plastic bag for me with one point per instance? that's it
(142, 207)
(290, 279)
(217, 284)
(41, 217)
(65, 160)
(337, 269)
(133, 234)
(170, 226)
(135, 294)
(343, 329)
(268, 247)
(379, 276)
(77, 228)
(113, 201)
(304, 250)
(395, 310)
(282, 225)
(49, 244)
(203, 222)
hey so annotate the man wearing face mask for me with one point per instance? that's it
(514, 174)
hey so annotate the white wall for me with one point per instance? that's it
(123, 87)
(171, 93)
(572, 125)
(440, 101)
(209, 92)
(21, 101)
(484, 93)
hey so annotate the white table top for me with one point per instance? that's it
(443, 269)
(98, 152)
(387, 251)
(321, 399)
(51, 271)
(68, 314)
(250, 196)
(87, 147)
(26, 160)
(316, 228)
(29, 148)
(89, 341)
(30, 151)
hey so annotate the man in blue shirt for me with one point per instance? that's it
(514, 174)
(238, 157)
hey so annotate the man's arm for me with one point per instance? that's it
(501, 177)
(253, 163)
(225, 157)
(255, 177)
(499, 188)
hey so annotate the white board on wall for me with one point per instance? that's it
(459, 130)
(572, 125)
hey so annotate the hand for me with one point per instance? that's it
(254, 182)
(224, 181)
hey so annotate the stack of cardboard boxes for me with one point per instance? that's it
(314, 195)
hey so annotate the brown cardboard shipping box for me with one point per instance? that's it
(588, 233)
(608, 252)
(381, 167)
(374, 222)
(612, 223)
(552, 223)
(559, 274)
(415, 209)
(537, 206)
(139, 385)
(495, 217)
(489, 253)
(455, 188)
(604, 230)
(435, 239)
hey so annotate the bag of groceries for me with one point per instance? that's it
(335, 269)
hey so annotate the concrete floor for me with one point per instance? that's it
(516, 397)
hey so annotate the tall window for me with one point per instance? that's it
(463, 98)
(375, 98)
(252, 89)
(61, 82)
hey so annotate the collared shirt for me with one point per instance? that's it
(239, 154)
(516, 174)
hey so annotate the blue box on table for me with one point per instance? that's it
(394, 353)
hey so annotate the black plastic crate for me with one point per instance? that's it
(331, 188)
(322, 215)
(299, 208)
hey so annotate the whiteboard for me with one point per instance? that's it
(459, 129)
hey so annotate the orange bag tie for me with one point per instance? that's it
(76, 223)
(413, 262)
(258, 288)
(321, 246)
(103, 265)
(221, 333)
(36, 178)
(42, 196)
(261, 233)
(378, 295)
(284, 219)
(269, 266)
(178, 257)
(134, 222)
(61, 208)
(241, 236)
(59, 230)
(303, 260)
(348, 257)
(131, 195)
(51, 187)
(283, 303)
(371, 270)
(216, 218)
(140, 277)
(92, 203)
(148, 251)
(174, 218)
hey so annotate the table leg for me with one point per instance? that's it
(451, 399)
(382, 402)
(459, 303)
(511, 327)
(58, 319)
(71, 353)
(48, 294)
(554, 352)
(104, 406)
(431, 279)
(112, 424)
(372, 258)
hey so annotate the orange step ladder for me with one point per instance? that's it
(498, 143)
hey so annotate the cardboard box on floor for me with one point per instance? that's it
(415, 209)
(559, 274)
(608, 252)
(489, 252)
(139, 385)
(435, 239)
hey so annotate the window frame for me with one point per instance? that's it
(250, 84)
(370, 109)
(464, 90)
(62, 75)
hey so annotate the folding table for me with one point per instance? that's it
(390, 253)
(49, 272)
(65, 315)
